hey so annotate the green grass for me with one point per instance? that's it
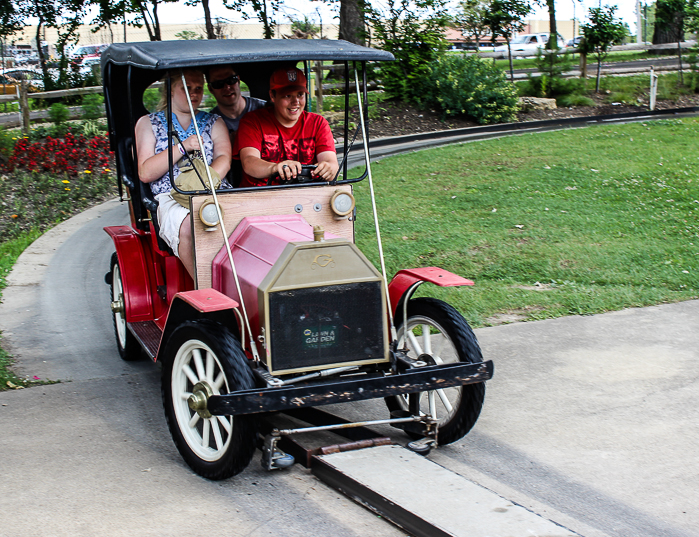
(574, 222)
(9, 252)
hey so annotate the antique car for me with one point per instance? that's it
(284, 311)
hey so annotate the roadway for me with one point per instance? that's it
(588, 422)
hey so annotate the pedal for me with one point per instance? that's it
(266, 377)
(423, 446)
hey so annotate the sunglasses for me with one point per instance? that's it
(230, 81)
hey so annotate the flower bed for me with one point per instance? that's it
(47, 181)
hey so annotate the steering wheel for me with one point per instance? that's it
(303, 177)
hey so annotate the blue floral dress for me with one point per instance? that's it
(158, 121)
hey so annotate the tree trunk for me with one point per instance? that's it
(680, 80)
(553, 38)
(583, 65)
(144, 14)
(352, 21)
(210, 34)
(156, 22)
(599, 73)
(40, 53)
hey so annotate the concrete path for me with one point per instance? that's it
(589, 421)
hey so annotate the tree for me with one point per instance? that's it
(210, 33)
(553, 31)
(265, 11)
(147, 15)
(669, 21)
(352, 21)
(188, 35)
(413, 30)
(10, 19)
(504, 18)
(603, 30)
(471, 19)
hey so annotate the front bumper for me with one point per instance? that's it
(350, 389)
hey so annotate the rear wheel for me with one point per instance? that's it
(127, 345)
(437, 334)
(203, 356)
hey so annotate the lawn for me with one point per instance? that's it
(572, 222)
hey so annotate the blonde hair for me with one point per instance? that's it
(176, 75)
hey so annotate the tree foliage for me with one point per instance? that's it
(265, 11)
(413, 30)
(603, 31)
(472, 19)
(504, 19)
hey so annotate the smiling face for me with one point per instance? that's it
(288, 105)
(229, 95)
(195, 87)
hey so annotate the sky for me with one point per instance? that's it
(565, 10)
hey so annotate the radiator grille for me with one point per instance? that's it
(327, 325)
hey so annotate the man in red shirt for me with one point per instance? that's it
(281, 138)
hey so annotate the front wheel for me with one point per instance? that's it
(205, 355)
(437, 334)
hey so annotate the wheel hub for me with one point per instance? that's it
(118, 306)
(199, 398)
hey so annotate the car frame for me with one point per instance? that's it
(284, 311)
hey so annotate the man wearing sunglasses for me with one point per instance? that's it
(231, 105)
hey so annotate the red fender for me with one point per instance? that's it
(404, 279)
(134, 273)
(199, 304)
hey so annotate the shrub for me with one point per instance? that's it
(566, 101)
(552, 64)
(59, 113)
(471, 86)
(7, 144)
(92, 106)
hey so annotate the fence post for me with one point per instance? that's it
(319, 87)
(24, 105)
(653, 88)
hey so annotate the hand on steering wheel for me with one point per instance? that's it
(293, 175)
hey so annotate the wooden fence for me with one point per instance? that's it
(25, 116)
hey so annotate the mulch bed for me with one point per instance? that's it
(398, 118)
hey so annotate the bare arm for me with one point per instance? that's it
(152, 166)
(254, 166)
(327, 165)
(222, 148)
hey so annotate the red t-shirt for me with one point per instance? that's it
(260, 129)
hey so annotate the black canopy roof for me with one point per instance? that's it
(160, 55)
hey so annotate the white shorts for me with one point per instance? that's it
(170, 217)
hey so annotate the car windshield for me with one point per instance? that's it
(519, 40)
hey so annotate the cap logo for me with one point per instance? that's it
(291, 75)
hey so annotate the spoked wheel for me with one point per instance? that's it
(437, 334)
(128, 346)
(204, 359)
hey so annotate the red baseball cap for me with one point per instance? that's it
(288, 78)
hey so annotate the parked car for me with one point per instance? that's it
(528, 43)
(575, 42)
(12, 78)
(88, 51)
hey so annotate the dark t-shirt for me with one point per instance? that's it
(303, 142)
(250, 104)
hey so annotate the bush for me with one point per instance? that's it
(566, 101)
(59, 113)
(471, 86)
(7, 144)
(92, 106)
